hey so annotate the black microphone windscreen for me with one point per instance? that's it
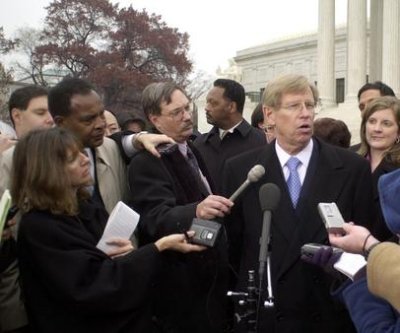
(269, 196)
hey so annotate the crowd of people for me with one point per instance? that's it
(71, 161)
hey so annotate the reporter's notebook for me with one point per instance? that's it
(5, 204)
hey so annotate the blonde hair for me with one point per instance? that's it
(288, 83)
(381, 103)
(38, 177)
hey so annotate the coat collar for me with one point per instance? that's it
(242, 129)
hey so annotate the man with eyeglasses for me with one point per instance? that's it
(231, 133)
(307, 172)
(168, 193)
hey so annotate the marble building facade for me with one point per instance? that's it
(295, 54)
(338, 59)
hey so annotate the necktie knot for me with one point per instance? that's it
(293, 163)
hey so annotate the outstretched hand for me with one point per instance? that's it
(150, 141)
(355, 240)
(178, 242)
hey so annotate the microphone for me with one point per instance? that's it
(254, 175)
(269, 196)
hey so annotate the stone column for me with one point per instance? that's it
(391, 45)
(356, 48)
(326, 52)
(375, 41)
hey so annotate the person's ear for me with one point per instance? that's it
(155, 120)
(16, 115)
(269, 115)
(59, 120)
(232, 107)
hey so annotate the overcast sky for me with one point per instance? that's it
(217, 28)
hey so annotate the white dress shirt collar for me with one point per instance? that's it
(222, 132)
(304, 156)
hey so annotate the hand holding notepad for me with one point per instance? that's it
(121, 223)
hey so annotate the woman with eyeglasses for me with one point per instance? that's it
(69, 284)
(380, 144)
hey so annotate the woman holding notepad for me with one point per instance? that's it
(69, 284)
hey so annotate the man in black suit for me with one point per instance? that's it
(168, 193)
(324, 174)
(231, 134)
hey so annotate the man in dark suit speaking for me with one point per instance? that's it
(308, 172)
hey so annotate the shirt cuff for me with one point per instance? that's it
(127, 145)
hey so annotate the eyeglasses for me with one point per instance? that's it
(268, 128)
(178, 113)
(269, 131)
(296, 107)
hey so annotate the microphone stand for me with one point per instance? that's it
(269, 196)
(269, 302)
(249, 303)
(265, 257)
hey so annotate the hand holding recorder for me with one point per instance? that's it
(331, 217)
(355, 239)
(215, 206)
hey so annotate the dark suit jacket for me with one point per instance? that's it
(192, 288)
(302, 299)
(215, 152)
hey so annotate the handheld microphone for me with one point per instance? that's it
(254, 175)
(269, 196)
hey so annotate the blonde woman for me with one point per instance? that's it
(380, 144)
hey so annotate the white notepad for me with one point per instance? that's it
(349, 264)
(5, 204)
(121, 223)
